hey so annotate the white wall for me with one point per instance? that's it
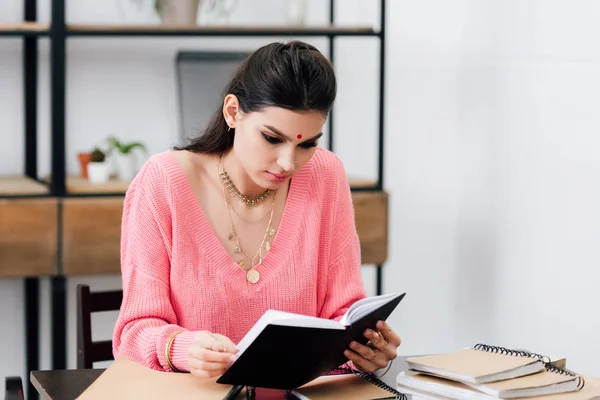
(489, 159)
(492, 128)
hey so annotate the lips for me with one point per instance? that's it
(279, 176)
(276, 177)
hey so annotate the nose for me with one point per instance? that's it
(286, 160)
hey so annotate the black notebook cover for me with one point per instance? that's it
(287, 357)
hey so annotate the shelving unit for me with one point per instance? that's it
(66, 201)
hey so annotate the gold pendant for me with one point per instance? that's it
(253, 276)
(230, 237)
(271, 232)
(237, 250)
(242, 263)
(268, 246)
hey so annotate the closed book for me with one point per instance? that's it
(549, 381)
(433, 388)
(286, 350)
(476, 365)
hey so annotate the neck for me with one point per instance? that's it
(238, 175)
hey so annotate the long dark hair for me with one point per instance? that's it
(293, 75)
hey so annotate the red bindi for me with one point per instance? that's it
(299, 136)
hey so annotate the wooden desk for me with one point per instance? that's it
(69, 384)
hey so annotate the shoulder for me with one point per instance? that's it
(327, 167)
(157, 175)
(327, 172)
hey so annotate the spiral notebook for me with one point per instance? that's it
(481, 364)
(348, 387)
(489, 371)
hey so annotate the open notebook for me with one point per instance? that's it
(293, 349)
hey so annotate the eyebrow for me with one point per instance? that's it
(279, 133)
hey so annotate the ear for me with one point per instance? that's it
(231, 109)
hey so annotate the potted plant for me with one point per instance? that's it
(175, 12)
(98, 167)
(124, 157)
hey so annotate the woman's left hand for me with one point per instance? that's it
(380, 349)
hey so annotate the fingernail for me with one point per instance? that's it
(354, 345)
(380, 324)
(347, 353)
(368, 333)
(232, 359)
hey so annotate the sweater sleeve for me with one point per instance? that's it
(344, 279)
(147, 320)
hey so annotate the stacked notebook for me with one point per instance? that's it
(488, 372)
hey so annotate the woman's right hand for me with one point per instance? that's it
(210, 354)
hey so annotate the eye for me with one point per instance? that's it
(308, 145)
(271, 139)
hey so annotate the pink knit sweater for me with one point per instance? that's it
(178, 276)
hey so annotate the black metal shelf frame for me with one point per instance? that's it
(58, 33)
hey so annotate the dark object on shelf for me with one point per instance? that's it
(14, 388)
(197, 96)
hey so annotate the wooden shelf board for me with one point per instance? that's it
(21, 185)
(208, 30)
(24, 27)
(362, 183)
(78, 185)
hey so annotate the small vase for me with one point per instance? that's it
(179, 12)
(296, 12)
(98, 172)
(84, 160)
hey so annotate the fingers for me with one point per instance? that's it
(366, 358)
(210, 354)
(224, 340)
(206, 369)
(360, 362)
(379, 342)
(204, 354)
(215, 342)
(388, 333)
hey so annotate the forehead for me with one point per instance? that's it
(291, 123)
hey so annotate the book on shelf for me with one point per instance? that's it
(293, 349)
(491, 372)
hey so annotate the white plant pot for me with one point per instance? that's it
(98, 172)
(125, 164)
(179, 12)
(296, 12)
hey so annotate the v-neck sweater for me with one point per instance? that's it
(178, 276)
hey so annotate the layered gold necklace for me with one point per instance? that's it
(245, 261)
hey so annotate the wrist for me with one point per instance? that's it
(179, 352)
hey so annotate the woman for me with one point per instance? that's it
(248, 217)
